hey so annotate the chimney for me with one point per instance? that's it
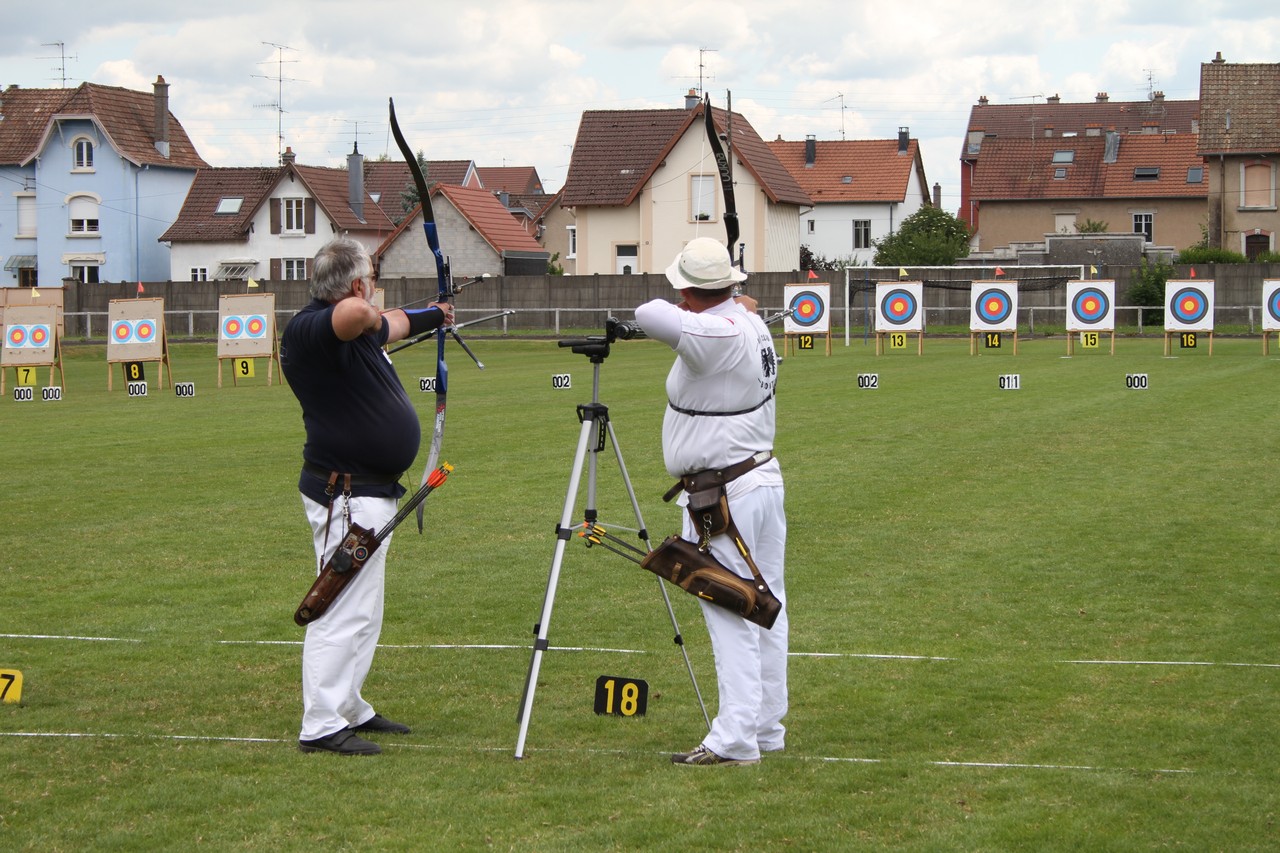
(355, 181)
(691, 99)
(1054, 99)
(1111, 148)
(937, 195)
(288, 156)
(1101, 98)
(1157, 97)
(904, 139)
(982, 101)
(810, 151)
(1218, 60)
(162, 116)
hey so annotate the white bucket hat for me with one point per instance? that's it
(703, 264)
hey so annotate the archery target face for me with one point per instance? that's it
(17, 337)
(38, 336)
(121, 331)
(899, 307)
(808, 306)
(1091, 306)
(144, 331)
(1188, 306)
(1271, 305)
(994, 307)
(232, 326)
(256, 326)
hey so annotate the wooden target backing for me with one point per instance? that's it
(247, 330)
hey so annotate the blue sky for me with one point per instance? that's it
(504, 82)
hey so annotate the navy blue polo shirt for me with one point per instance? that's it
(357, 416)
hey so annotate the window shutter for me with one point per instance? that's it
(307, 267)
(310, 216)
(275, 215)
(276, 273)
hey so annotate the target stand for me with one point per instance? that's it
(993, 311)
(899, 313)
(1091, 313)
(807, 315)
(136, 334)
(1188, 311)
(31, 340)
(247, 330)
(1270, 312)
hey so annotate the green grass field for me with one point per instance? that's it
(1034, 619)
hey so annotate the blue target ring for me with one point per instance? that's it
(1273, 305)
(899, 307)
(1189, 305)
(994, 306)
(1091, 305)
(807, 308)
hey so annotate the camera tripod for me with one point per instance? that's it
(595, 425)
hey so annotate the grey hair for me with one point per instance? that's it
(338, 263)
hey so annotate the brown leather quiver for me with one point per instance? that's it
(347, 561)
(700, 574)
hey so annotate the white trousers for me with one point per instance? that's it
(339, 646)
(751, 661)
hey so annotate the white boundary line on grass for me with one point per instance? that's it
(524, 647)
(996, 765)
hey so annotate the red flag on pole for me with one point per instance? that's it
(1193, 272)
(999, 271)
(812, 275)
(141, 289)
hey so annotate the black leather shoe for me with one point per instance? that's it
(381, 725)
(345, 742)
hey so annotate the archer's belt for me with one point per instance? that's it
(700, 480)
(350, 479)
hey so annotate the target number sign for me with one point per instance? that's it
(1089, 340)
(808, 306)
(897, 340)
(10, 685)
(804, 341)
(1188, 306)
(991, 340)
(899, 308)
(244, 367)
(561, 381)
(1188, 340)
(622, 697)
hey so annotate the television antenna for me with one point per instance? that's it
(703, 76)
(839, 96)
(278, 104)
(62, 59)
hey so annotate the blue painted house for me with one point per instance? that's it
(89, 179)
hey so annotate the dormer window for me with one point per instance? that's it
(1146, 173)
(228, 205)
(1064, 156)
(83, 149)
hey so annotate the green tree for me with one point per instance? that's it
(1146, 287)
(928, 237)
(1092, 226)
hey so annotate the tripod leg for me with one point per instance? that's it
(666, 599)
(563, 533)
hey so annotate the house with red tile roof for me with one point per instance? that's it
(387, 181)
(862, 189)
(514, 180)
(1029, 170)
(269, 222)
(1240, 143)
(477, 234)
(96, 173)
(642, 183)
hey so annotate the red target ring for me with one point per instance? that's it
(122, 332)
(16, 336)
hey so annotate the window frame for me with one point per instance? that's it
(293, 209)
(861, 228)
(82, 154)
(704, 203)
